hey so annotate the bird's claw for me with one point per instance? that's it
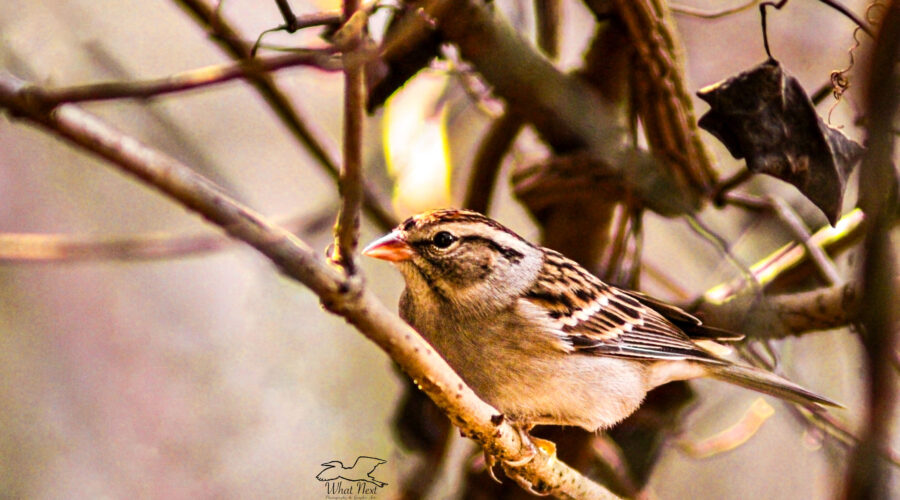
(531, 444)
(490, 462)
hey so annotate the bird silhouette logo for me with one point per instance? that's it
(361, 470)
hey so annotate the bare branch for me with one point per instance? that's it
(868, 477)
(353, 38)
(201, 77)
(45, 248)
(789, 256)
(341, 294)
(486, 166)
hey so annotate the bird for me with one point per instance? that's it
(540, 338)
(361, 470)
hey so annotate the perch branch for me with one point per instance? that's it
(338, 293)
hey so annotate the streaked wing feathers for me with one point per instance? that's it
(688, 323)
(593, 317)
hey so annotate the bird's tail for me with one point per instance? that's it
(769, 383)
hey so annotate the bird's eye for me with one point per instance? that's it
(443, 239)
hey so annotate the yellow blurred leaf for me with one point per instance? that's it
(731, 437)
(416, 144)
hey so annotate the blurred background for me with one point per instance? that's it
(209, 375)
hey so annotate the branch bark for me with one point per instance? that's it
(46, 248)
(780, 316)
(186, 80)
(869, 476)
(346, 229)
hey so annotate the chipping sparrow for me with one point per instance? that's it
(539, 337)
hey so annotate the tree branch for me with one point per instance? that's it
(201, 77)
(789, 256)
(784, 315)
(353, 38)
(340, 294)
(878, 187)
(44, 248)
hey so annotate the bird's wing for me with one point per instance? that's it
(592, 317)
(687, 322)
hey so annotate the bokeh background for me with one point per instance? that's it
(212, 376)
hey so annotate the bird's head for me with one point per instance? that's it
(459, 256)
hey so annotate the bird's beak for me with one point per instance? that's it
(391, 247)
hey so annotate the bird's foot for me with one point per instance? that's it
(532, 445)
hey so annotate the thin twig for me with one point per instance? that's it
(375, 205)
(789, 217)
(323, 59)
(801, 233)
(486, 165)
(831, 3)
(790, 255)
(702, 230)
(849, 15)
(339, 293)
(547, 15)
(346, 229)
(290, 19)
(292, 23)
(31, 248)
(762, 20)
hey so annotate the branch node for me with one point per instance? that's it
(347, 296)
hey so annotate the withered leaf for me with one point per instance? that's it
(765, 116)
